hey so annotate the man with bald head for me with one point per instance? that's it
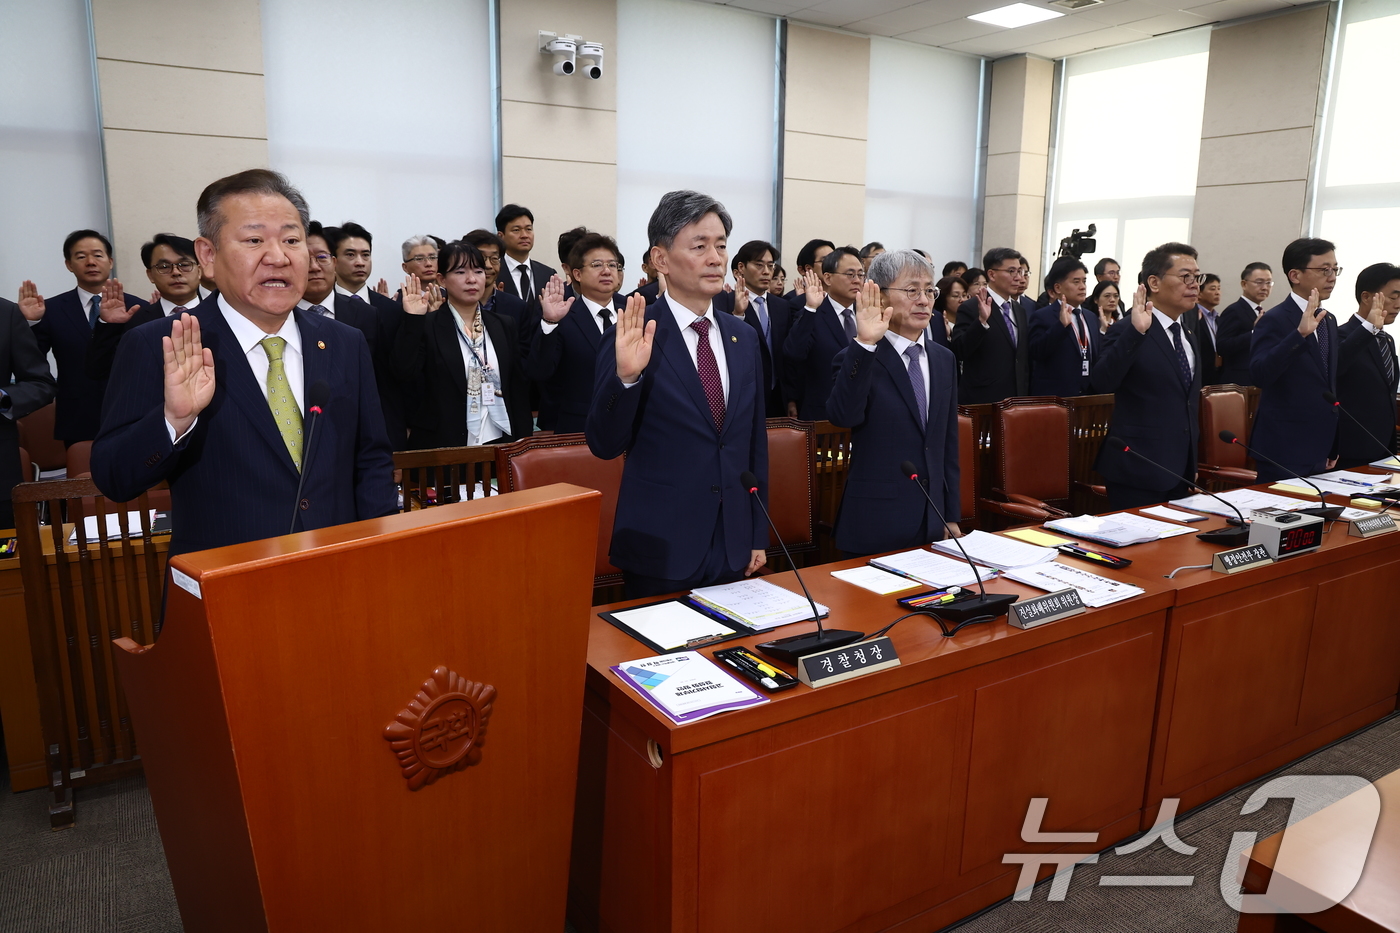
(215, 401)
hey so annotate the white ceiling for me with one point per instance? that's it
(944, 23)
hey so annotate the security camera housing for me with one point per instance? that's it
(590, 60)
(562, 49)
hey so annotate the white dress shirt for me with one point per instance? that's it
(328, 303)
(513, 270)
(593, 309)
(1166, 322)
(167, 307)
(1302, 303)
(684, 318)
(362, 294)
(494, 421)
(900, 344)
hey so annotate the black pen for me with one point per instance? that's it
(741, 664)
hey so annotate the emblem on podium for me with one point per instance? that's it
(442, 728)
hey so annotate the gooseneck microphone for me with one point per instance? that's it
(984, 605)
(317, 397)
(1331, 399)
(1322, 510)
(1236, 535)
(796, 646)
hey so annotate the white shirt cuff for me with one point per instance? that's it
(170, 429)
(547, 327)
(869, 347)
(1368, 325)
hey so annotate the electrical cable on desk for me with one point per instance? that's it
(1187, 567)
(942, 627)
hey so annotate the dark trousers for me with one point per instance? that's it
(1122, 497)
(713, 570)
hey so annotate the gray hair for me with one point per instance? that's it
(414, 242)
(886, 268)
(678, 209)
(253, 181)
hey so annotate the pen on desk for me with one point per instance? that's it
(739, 665)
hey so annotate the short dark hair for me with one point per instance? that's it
(923, 254)
(1373, 278)
(807, 255)
(998, 255)
(588, 243)
(71, 240)
(1255, 267)
(779, 270)
(480, 238)
(1159, 260)
(338, 235)
(945, 291)
(952, 268)
(832, 259)
(972, 274)
(1101, 266)
(510, 212)
(679, 209)
(179, 244)
(1061, 269)
(870, 247)
(567, 239)
(1299, 253)
(752, 251)
(252, 181)
(438, 240)
(457, 254)
(1210, 277)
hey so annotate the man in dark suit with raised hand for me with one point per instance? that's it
(1149, 363)
(990, 336)
(823, 329)
(679, 391)
(1367, 370)
(174, 271)
(1064, 337)
(1236, 327)
(26, 385)
(770, 315)
(898, 393)
(1293, 361)
(214, 401)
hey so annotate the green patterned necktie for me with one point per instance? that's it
(279, 398)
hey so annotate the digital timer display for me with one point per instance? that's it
(1300, 539)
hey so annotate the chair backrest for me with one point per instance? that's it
(26, 466)
(1032, 440)
(791, 487)
(444, 474)
(79, 460)
(967, 471)
(1223, 408)
(36, 436)
(833, 457)
(565, 458)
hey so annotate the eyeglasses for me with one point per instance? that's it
(184, 265)
(1327, 271)
(1016, 273)
(321, 258)
(431, 257)
(915, 293)
(598, 265)
(761, 266)
(1186, 277)
(856, 276)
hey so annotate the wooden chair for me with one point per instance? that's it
(968, 473)
(832, 457)
(1031, 438)
(36, 436)
(444, 474)
(1088, 426)
(792, 450)
(1220, 465)
(77, 599)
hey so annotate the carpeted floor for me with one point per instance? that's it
(107, 874)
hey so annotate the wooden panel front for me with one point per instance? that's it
(19, 700)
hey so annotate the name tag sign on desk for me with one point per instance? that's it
(1241, 558)
(838, 664)
(1028, 613)
(1369, 527)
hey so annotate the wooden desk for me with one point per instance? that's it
(874, 801)
(1373, 905)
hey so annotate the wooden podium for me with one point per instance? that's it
(375, 726)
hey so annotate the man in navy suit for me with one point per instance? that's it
(1236, 326)
(990, 336)
(679, 390)
(522, 276)
(173, 270)
(64, 325)
(215, 401)
(1064, 336)
(823, 329)
(1293, 361)
(809, 260)
(564, 344)
(1149, 363)
(1367, 370)
(768, 314)
(898, 393)
(25, 386)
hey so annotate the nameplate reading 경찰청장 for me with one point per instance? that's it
(838, 664)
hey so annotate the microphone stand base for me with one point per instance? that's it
(1329, 512)
(797, 646)
(1231, 535)
(991, 605)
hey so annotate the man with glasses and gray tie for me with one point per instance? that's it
(1367, 369)
(64, 324)
(824, 329)
(1293, 361)
(991, 335)
(770, 315)
(172, 269)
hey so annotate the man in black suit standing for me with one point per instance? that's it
(172, 269)
(1367, 369)
(522, 276)
(64, 325)
(497, 298)
(1064, 337)
(1150, 365)
(823, 329)
(25, 386)
(770, 315)
(1236, 326)
(991, 334)
(809, 259)
(352, 247)
(1204, 321)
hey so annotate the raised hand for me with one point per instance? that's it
(872, 317)
(1142, 310)
(1311, 319)
(31, 303)
(415, 299)
(799, 285)
(436, 296)
(1066, 313)
(634, 337)
(660, 286)
(984, 303)
(1376, 316)
(642, 282)
(553, 304)
(189, 374)
(113, 309)
(155, 296)
(741, 300)
(382, 288)
(813, 292)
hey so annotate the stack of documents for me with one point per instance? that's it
(1106, 529)
(1093, 589)
(1161, 511)
(1245, 499)
(878, 581)
(996, 551)
(1161, 529)
(686, 686)
(756, 603)
(1389, 463)
(930, 568)
(112, 527)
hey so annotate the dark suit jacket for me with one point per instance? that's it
(1366, 394)
(881, 510)
(1232, 338)
(812, 343)
(427, 361)
(1200, 330)
(1152, 410)
(64, 330)
(1056, 366)
(539, 275)
(231, 477)
(681, 475)
(775, 375)
(992, 367)
(648, 291)
(562, 361)
(33, 388)
(1293, 424)
(503, 302)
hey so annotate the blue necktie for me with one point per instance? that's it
(92, 312)
(1181, 361)
(762, 307)
(1010, 321)
(916, 380)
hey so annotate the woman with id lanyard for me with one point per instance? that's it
(460, 365)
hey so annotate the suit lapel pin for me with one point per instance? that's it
(733, 339)
(320, 345)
